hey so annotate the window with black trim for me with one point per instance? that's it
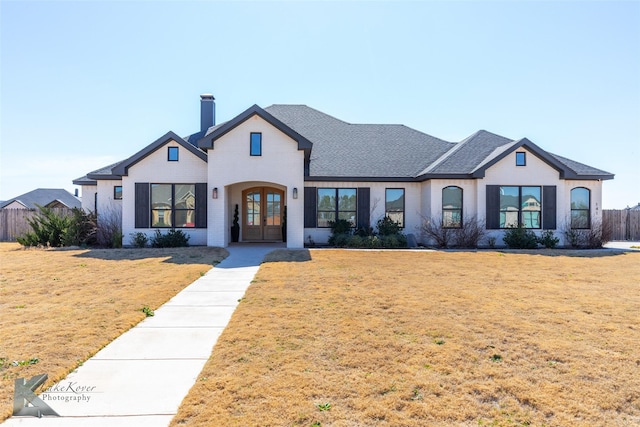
(520, 205)
(580, 208)
(256, 144)
(172, 154)
(521, 158)
(394, 205)
(117, 192)
(173, 205)
(336, 203)
(452, 207)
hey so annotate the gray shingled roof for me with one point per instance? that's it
(105, 172)
(43, 197)
(342, 149)
(468, 154)
(580, 169)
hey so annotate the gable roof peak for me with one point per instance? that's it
(122, 168)
(207, 142)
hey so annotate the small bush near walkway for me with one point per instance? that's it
(172, 239)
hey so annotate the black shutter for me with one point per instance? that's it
(142, 211)
(201, 205)
(364, 198)
(493, 207)
(549, 207)
(310, 201)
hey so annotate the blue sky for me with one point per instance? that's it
(85, 84)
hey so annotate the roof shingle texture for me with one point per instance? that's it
(44, 196)
(342, 149)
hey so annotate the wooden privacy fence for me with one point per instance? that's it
(624, 224)
(13, 222)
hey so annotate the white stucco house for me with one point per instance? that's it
(316, 168)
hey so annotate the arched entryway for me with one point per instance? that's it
(263, 208)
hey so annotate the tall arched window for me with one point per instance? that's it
(452, 207)
(580, 207)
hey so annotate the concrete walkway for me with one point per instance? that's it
(141, 377)
(623, 244)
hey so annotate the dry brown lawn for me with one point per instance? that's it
(354, 338)
(62, 306)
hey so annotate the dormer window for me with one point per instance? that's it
(172, 154)
(256, 144)
(521, 158)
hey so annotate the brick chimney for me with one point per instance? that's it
(207, 111)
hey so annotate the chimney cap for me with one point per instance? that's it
(207, 96)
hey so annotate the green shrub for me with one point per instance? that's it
(343, 235)
(364, 231)
(394, 241)
(341, 226)
(520, 238)
(82, 230)
(139, 239)
(388, 227)
(548, 239)
(49, 229)
(339, 240)
(356, 242)
(173, 239)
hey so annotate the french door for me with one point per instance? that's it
(262, 215)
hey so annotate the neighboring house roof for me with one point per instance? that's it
(338, 150)
(45, 197)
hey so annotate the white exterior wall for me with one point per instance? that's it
(156, 169)
(537, 173)
(413, 196)
(595, 188)
(108, 208)
(88, 197)
(432, 208)
(231, 169)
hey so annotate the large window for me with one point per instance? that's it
(580, 207)
(452, 207)
(173, 205)
(394, 205)
(336, 203)
(520, 206)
